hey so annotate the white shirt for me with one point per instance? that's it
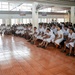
(7, 27)
(49, 34)
(3, 27)
(44, 30)
(60, 32)
(40, 30)
(72, 36)
(66, 32)
(22, 31)
(55, 31)
(36, 31)
(17, 32)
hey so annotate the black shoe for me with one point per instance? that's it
(68, 54)
(44, 47)
(28, 41)
(63, 51)
(59, 47)
(38, 46)
(74, 55)
(32, 42)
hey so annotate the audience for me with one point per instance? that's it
(59, 34)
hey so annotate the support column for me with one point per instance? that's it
(73, 14)
(34, 15)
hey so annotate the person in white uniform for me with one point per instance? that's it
(34, 35)
(70, 42)
(40, 32)
(3, 28)
(21, 28)
(44, 28)
(49, 37)
(17, 32)
(54, 29)
(59, 37)
(65, 31)
(8, 29)
(30, 30)
(74, 48)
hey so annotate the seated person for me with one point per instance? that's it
(44, 28)
(13, 29)
(3, 28)
(70, 41)
(39, 34)
(49, 37)
(54, 29)
(17, 32)
(74, 27)
(59, 37)
(8, 29)
(34, 34)
(74, 48)
(26, 32)
(30, 31)
(22, 32)
(65, 32)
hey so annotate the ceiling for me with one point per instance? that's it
(56, 2)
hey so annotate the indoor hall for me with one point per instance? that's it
(37, 37)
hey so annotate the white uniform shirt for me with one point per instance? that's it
(40, 30)
(44, 30)
(60, 33)
(72, 36)
(55, 31)
(66, 32)
(7, 28)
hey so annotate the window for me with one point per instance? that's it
(28, 21)
(3, 5)
(49, 20)
(39, 20)
(24, 21)
(60, 20)
(31, 20)
(21, 21)
(14, 21)
(23, 7)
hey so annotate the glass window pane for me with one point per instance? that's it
(21, 21)
(4, 2)
(60, 20)
(24, 21)
(14, 21)
(27, 20)
(5, 6)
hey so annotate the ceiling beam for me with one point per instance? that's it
(17, 5)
